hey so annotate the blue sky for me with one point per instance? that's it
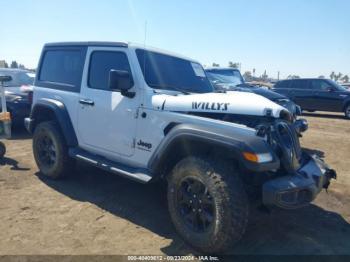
(304, 37)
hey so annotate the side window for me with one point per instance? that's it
(62, 67)
(299, 84)
(101, 63)
(282, 84)
(320, 85)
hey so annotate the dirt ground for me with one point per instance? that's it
(97, 213)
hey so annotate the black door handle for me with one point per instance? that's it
(87, 102)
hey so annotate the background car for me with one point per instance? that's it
(315, 94)
(230, 79)
(18, 94)
(346, 85)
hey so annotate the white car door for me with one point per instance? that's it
(106, 118)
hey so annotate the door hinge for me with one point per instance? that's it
(137, 112)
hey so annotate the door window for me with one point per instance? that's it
(299, 84)
(101, 63)
(282, 84)
(320, 85)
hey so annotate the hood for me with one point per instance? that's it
(252, 89)
(19, 90)
(234, 102)
(267, 93)
(15, 97)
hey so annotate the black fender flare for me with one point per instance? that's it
(346, 103)
(213, 136)
(62, 116)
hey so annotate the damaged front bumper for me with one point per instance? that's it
(299, 189)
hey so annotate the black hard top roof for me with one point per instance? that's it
(88, 43)
(294, 79)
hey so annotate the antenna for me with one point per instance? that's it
(144, 54)
(144, 40)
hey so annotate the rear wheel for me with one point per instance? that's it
(50, 151)
(207, 204)
(347, 111)
(2, 150)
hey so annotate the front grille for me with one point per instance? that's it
(289, 145)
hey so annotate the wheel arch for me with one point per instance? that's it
(346, 104)
(184, 140)
(49, 109)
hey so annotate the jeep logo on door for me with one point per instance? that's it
(210, 106)
(144, 146)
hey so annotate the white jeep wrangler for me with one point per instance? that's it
(149, 115)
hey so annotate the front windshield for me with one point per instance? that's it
(225, 78)
(172, 73)
(339, 87)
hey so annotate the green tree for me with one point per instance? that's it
(264, 75)
(215, 65)
(293, 77)
(332, 75)
(345, 79)
(233, 65)
(247, 75)
(14, 64)
(338, 76)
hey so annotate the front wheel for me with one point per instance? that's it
(208, 204)
(347, 111)
(50, 151)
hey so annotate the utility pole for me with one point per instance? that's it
(278, 75)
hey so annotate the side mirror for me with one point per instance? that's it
(121, 81)
(331, 89)
(4, 78)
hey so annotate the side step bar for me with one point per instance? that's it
(137, 174)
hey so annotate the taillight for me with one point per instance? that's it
(30, 97)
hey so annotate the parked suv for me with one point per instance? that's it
(316, 94)
(18, 93)
(230, 79)
(150, 115)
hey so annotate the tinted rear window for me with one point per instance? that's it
(64, 67)
(282, 84)
(299, 84)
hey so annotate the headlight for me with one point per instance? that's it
(286, 115)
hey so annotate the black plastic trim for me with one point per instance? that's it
(137, 174)
(215, 136)
(62, 116)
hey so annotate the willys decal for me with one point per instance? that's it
(210, 106)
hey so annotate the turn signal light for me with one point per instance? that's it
(251, 157)
(258, 158)
(5, 117)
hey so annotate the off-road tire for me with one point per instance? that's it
(229, 198)
(347, 111)
(2, 150)
(62, 164)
